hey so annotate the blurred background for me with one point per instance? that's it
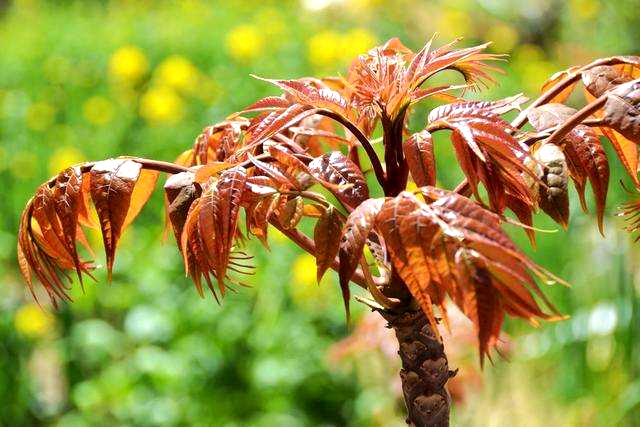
(88, 80)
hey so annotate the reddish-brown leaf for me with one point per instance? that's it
(584, 153)
(218, 218)
(339, 170)
(354, 236)
(418, 152)
(112, 185)
(622, 110)
(326, 236)
(181, 191)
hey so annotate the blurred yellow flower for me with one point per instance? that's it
(503, 36)
(304, 289)
(32, 321)
(329, 48)
(128, 64)
(161, 104)
(64, 157)
(179, 73)
(323, 48)
(304, 270)
(245, 42)
(98, 110)
(40, 115)
(356, 42)
(585, 8)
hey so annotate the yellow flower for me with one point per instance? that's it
(32, 321)
(179, 73)
(356, 42)
(64, 157)
(304, 289)
(504, 37)
(128, 64)
(304, 270)
(331, 49)
(245, 42)
(98, 110)
(161, 104)
(40, 115)
(585, 9)
(323, 48)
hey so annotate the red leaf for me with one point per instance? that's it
(418, 152)
(354, 236)
(339, 170)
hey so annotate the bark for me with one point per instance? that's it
(425, 369)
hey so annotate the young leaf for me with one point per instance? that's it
(622, 110)
(218, 218)
(339, 170)
(584, 153)
(418, 152)
(354, 236)
(112, 185)
(553, 195)
(181, 191)
(326, 236)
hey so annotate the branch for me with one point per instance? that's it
(577, 119)
(519, 121)
(364, 141)
(309, 246)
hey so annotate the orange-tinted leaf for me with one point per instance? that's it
(622, 110)
(218, 218)
(112, 185)
(557, 78)
(354, 236)
(418, 152)
(326, 236)
(584, 153)
(339, 170)
(181, 192)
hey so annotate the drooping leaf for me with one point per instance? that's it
(354, 236)
(291, 214)
(326, 236)
(389, 222)
(486, 149)
(181, 191)
(557, 78)
(218, 218)
(622, 110)
(112, 185)
(553, 195)
(418, 152)
(584, 153)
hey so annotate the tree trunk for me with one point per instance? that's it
(425, 369)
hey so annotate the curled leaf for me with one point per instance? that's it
(622, 110)
(553, 195)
